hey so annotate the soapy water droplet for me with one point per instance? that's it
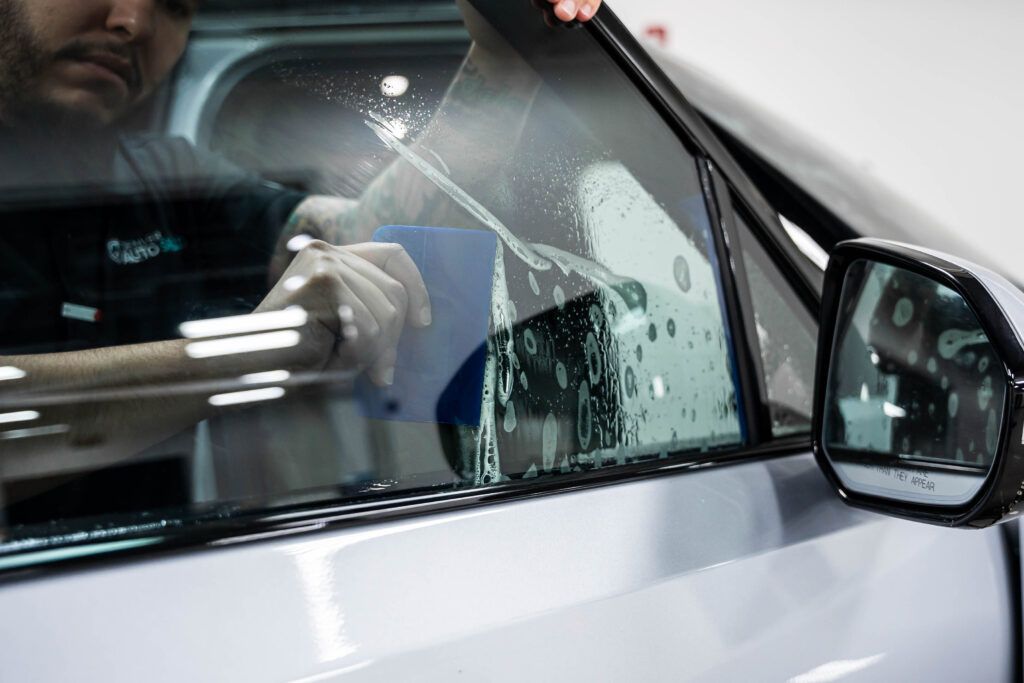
(902, 312)
(549, 441)
(932, 366)
(510, 422)
(681, 272)
(594, 365)
(533, 283)
(912, 357)
(944, 383)
(524, 381)
(639, 353)
(953, 404)
(985, 393)
(559, 297)
(670, 327)
(952, 340)
(983, 364)
(652, 332)
(584, 418)
(561, 375)
(991, 432)
(630, 379)
(530, 342)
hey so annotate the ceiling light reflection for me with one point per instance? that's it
(11, 372)
(293, 316)
(394, 86)
(20, 416)
(247, 344)
(48, 430)
(250, 396)
(271, 377)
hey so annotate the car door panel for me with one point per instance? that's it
(748, 572)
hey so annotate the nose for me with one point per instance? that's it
(132, 20)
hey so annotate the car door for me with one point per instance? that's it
(637, 498)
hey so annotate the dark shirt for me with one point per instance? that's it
(119, 243)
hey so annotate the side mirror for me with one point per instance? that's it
(919, 396)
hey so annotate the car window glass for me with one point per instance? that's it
(577, 318)
(787, 335)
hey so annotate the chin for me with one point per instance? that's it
(84, 108)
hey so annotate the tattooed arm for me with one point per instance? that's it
(479, 120)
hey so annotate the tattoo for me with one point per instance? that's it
(475, 129)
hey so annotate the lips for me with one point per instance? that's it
(118, 66)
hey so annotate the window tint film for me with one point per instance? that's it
(787, 335)
(352, 261)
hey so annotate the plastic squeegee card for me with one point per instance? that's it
(439, 374)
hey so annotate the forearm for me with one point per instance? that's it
(116, 400)
(470, 137)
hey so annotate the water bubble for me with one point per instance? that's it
(985, 393)
(593, 359)
(510, 417)
(953, 404)
(902, 312)
(530, 342)
(912, 357)
(932, 365)
(549, 441)
(944, 383)
(630, 382)
(525, 382)
(652, 332)
(983, 364)
(670, 326)
(533, 283)
(681, 271)
(559, 297)
(584, 425)
(561, 375)
(513, 313)
(639, 353)
(992, 433)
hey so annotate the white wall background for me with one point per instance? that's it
(924, 96)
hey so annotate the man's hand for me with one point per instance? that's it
(358, 299)
(582, 10)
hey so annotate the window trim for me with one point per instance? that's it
(719, 173)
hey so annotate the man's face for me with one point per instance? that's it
(86, 61)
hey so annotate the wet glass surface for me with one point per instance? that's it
(605, 345)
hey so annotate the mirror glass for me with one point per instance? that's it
(916, 393)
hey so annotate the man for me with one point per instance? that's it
(70, 73)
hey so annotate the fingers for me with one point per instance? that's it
(395, 262)
(377, 291)
(582, 10)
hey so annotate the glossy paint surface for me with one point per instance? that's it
(750, 572)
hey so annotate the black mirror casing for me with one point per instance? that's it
(999, 308)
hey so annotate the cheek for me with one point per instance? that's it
(163, 56)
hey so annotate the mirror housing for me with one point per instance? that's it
(919, 392)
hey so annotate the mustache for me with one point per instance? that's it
(82, 50)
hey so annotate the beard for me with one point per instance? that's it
(21, 62)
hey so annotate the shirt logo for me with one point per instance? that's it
(129, 252)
